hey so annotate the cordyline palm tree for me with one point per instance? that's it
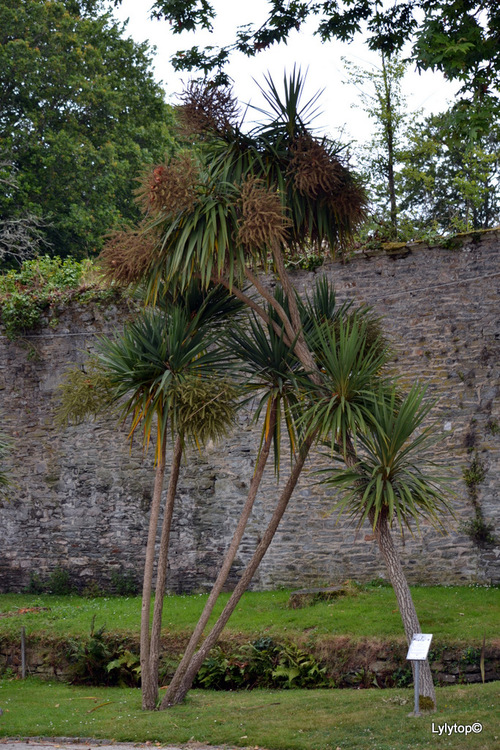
(246, 200)
(390, 484)
(268, 367)
(354, 398)
(166, 370)
(249, 200)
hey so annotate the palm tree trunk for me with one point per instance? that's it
(147, 686)
(227, 562)
(244, 581)
(405, 601)
(161, 573)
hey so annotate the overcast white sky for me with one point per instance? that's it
(323, 61)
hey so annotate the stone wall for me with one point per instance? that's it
(80, 496)
(351, 663)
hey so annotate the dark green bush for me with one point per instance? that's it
(124, 584)
(36, 585)
(478, 530)
(59, 583)
(97, 661)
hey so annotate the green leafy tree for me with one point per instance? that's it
(449, 170)
(382, 99)
(438, 173)
(80, 114)
(457, 37)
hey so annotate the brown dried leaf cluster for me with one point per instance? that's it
(349, 204)
(319, 175)
(314, 170)
(262, 221)
(169, 187)
(207, 108)
(127, 254)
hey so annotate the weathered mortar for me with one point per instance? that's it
(80, 497)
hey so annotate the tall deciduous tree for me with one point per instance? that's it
(382, 99)
(80, 114)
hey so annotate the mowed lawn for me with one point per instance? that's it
(276, 720)
(283, 720)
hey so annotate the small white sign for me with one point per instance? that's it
(419, 647)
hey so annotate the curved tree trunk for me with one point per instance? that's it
(405, 601)
(244, 581)
(147, 685)
(227, 562)
(161, 574)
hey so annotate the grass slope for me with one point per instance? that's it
(455, 614)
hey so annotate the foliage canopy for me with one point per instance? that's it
(457, 37)
(80, 114)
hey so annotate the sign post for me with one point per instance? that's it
(417, 652)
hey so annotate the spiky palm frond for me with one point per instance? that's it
(320, 308)
(150, 359)
(323, 198)
(391, 479)
(269, 368)
(202, 243)
(342, 405)
(213, 307)
(287, 113)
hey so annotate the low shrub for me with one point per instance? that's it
(97, 661)
(262, 664)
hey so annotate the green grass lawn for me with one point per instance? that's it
(459, 614)
(281, 720)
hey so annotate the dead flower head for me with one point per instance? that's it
(207, 108)
(320, 175)
(127, 254)
(316, 172)
(262, 222)
(169, 187)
